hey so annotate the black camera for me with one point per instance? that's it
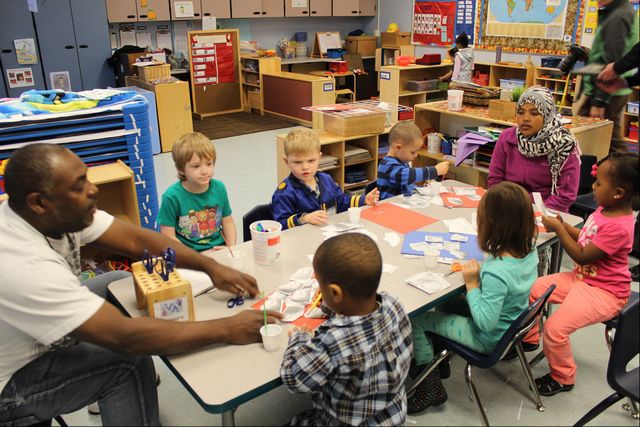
(576, 53)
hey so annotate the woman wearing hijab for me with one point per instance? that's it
(539, 154)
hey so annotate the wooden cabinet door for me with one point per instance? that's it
(197, 11)
(218, 8)
(246, 8)
(153, 10)
(289, 10)
(320, 7)
(121, 11)
(367, 8)
(346, 8)
(273, 8)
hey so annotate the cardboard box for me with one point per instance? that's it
(397, 38)
(364, 45)
(502, 110)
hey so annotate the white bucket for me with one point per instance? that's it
(433, 143)
(454, 99)
(301, 49)
(266, 244)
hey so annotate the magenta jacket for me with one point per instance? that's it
(508, 164)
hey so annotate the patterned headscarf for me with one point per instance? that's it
(552, 140)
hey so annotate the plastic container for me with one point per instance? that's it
(403, 61)
(271, 337)
(632, 107)
(445, 147)
(454, 99)
(300, 36)
(266, 244)
(301, 49)
(354, 215)
(335, 52)
(433, 143)
(511, 83)
(550, 61)
(431, 258)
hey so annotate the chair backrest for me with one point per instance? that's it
(625, 345)
(586, 179)
(370, 186)
(522, 324)
(258, 213)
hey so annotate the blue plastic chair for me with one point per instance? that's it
(512, 337)
(626, 346)
(258, 213)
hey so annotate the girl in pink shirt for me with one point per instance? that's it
(600, 283)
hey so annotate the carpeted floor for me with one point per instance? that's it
(226, 125)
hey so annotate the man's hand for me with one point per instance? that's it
(442, 168)
(607, 74)
(551, 223)
(611, 86)
(318, 217)
(244, 327)
(296, 329)
(597, 112)
(233, 281)
(471, 274)
(372, 198)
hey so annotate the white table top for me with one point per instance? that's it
(222, 377)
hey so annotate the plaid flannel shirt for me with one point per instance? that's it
(354, 366)
(396, 177)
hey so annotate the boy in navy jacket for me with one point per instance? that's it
(307, 196)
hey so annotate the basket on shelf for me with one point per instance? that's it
(475, 94)
(355, 125)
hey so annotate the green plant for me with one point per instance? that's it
(515, 93)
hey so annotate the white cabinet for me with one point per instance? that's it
(219, 8)
(320, 7)
(354, 7)
(367, 8)
(153, 10)
(122, 11)
(257, 8)
(197, 11)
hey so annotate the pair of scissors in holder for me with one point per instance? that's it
(170, 258)
(149, 261)
(237, 300)
(164, 269)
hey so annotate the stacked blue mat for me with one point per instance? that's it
(131, 143)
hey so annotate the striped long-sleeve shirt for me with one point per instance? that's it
(354, 367)
(396, 177)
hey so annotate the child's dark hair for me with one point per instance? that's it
(453, 51)
(506, 221)
(352, 261)
(463, 40)
(624, 172)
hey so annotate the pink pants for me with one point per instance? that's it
(580, 305)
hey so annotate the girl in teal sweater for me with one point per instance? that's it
(497, 292)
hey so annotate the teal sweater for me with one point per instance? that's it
(502, 296)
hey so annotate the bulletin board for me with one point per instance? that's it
(214, 58)
(529, 26)
(439, 22)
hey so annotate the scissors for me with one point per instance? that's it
(238, 300)
(170, 258)
(455, 267)
(164, 270)
(149, 261)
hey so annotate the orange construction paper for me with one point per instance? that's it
(467, 202)
(396, 218)
(300, 321)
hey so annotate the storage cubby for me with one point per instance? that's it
(559, 85)
(251, 69)
(628, 118)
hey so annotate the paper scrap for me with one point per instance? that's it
(460, 225)
(388, 268)
(392, 238)
(428, 282)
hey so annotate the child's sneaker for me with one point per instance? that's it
(547, 386)
(430, 392)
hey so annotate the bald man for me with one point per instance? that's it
(63, 346)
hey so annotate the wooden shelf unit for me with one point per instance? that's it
(628, 118)
(117, 194)
(393, 84)
(334, 145)
(387, 55)
(251, 69)
(505, 71)
(560, 86)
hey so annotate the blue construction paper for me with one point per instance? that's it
(470, 247)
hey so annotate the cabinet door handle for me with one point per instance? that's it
(6, 51)
(207, 14)
(143, 16)
(355, 12)
(131, 16)
(196, 14)
(264, 13)
(313, 12)
(83, 46)
(304, 12)
(256, 13)
(69, 46)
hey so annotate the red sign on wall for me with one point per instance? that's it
(434, 22)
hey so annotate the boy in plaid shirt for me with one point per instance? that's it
(356, 363)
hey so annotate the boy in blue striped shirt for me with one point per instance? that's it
(395, 175)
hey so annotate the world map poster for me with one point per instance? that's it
(540, 19)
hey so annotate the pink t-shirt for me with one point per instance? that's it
(614, 236)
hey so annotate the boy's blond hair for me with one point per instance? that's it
(301, 141)
(404, 133)
(188, 145)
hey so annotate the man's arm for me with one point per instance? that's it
(126, 239)
(144, 335)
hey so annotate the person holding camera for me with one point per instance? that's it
(610, 79)
(617, 32)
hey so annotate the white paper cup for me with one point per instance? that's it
(266, 244)
(431, 258)
(354, 215)
(271, 336)
(454, 99)
(434, 187)
(236, 261)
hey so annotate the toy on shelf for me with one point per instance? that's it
(160, 289)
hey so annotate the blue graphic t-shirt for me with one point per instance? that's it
(196, 218)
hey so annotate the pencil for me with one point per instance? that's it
(316, 301)
(226, 244)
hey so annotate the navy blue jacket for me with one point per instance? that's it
(293, 198)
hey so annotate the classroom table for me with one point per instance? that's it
(221, 377)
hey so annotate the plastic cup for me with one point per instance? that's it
(454, 99)
(431, 258)
(354, 215)
(434, 187)
(236, 261)
(271, 337)
(266, 243)
(433, 143)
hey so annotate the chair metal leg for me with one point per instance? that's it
(599, 408)
(609, 333)
(474, 394)
(61, 422)
(536, 359)
(632, 406)
(443, 354)
(527, 371)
